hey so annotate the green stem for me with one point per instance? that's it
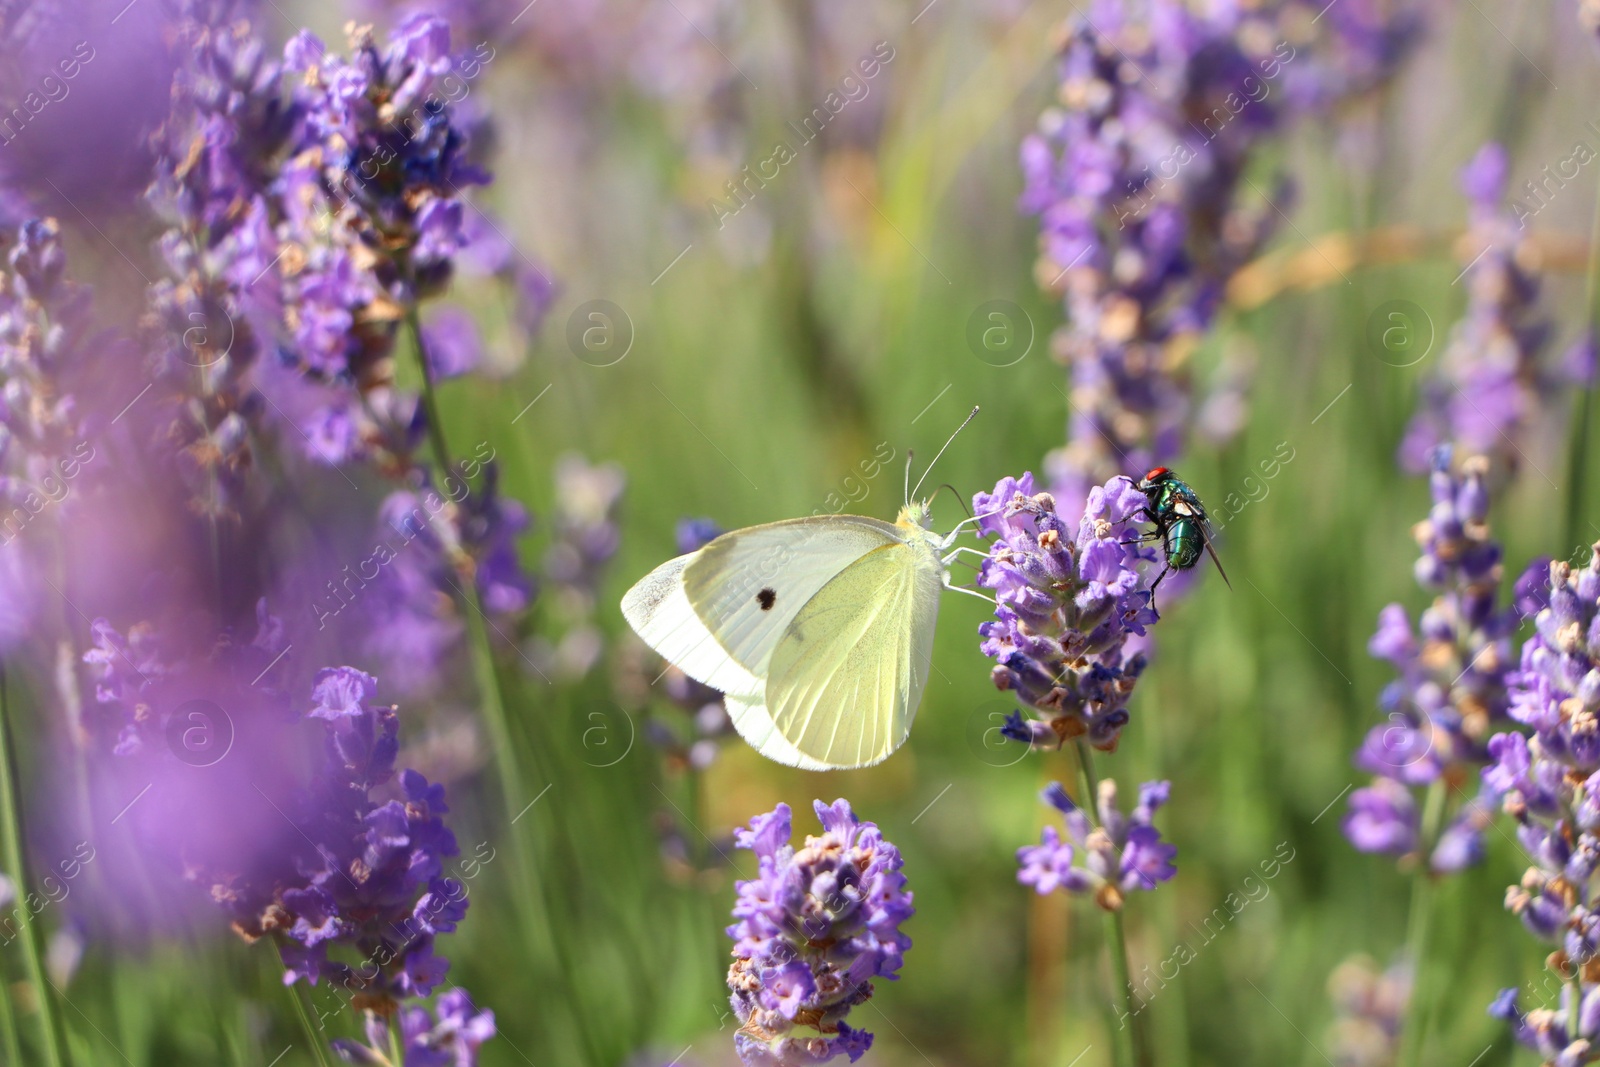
(1575, 1006)
(1578, 449)
(541, 932)
(8, 1023)
(55, 1035)
(1419, 929)
(397, 1050)
(302, 1011)
(430, 405)
(1126, 1036)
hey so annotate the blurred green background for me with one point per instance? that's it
(767, 360)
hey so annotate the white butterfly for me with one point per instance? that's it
(819, 631)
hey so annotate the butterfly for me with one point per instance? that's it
(818, 631)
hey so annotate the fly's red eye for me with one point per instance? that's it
(1156, 472)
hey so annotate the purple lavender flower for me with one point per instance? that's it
(448, 1037)
(1382, 818)
(1451, 692)
(815, 926)
(708, 723)
(1545, 1030)
(1137, 176)
(1549, 781)
(368, 894)
(205, 326)
(695, 534)
(454, 345)
(585, 522)
(313, 205)
(1067, 606)
(1121, 854)
(59, 374)
(371, 212)
(1489, 382)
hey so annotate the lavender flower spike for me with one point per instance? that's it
(1451, 690)
(1550, 784)
(815, 926)
(450, 1037)
(1489, 383)
(1123, 853)
(1066, 606)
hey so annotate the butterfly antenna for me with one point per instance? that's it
(970, 416)
(959, 498)
(909, 455)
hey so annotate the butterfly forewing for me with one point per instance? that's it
(748, 586)
(658, 609)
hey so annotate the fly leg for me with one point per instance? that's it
(1153, 586)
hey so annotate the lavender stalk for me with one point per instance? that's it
(1578, 449)
(1419, 930)
(54, 1034)
(513, 787)
(1126, 1035)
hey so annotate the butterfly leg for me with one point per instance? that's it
(951, 556)
(986, 598)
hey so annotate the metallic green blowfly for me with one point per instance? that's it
(1180, 521)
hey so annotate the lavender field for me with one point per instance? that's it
(358, 359)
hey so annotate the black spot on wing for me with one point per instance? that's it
(767, 597)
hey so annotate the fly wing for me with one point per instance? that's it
(1212, 553)
(1192, 509)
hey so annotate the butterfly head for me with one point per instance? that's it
(916, 514)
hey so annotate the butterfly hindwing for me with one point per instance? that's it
(750, 717)
(846, 679)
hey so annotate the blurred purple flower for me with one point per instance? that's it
(1137, 177)
(586, 536)
(1489, 383)
(1451, 692)
(450, 1037)
(1370, 1007)
(454, 345)
(1382, 818)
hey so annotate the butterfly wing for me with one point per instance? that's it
(658, 609)
(719, 613)
(844, 682)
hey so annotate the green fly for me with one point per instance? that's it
(1180, 521)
